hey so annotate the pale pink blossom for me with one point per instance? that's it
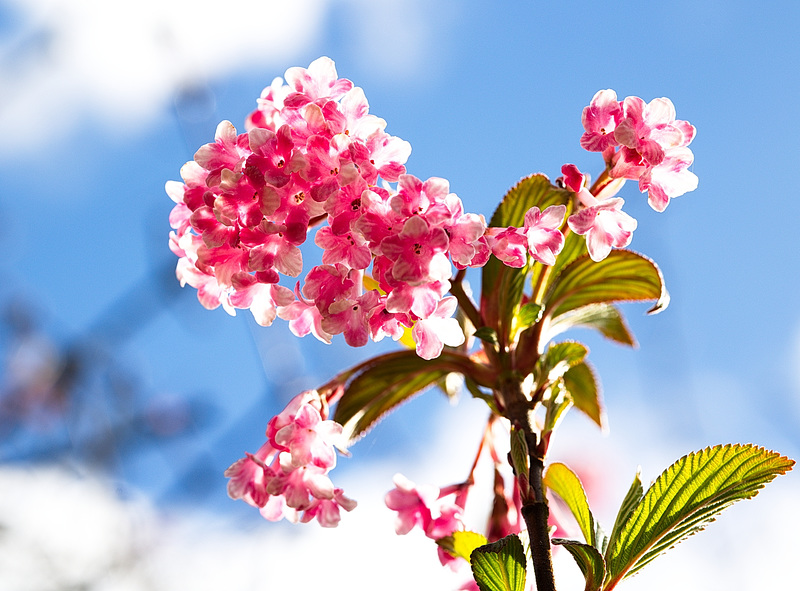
(413, 504)
(600, 119)
(605, 225)
(642, 142)
(543, 232)
(249, 476)
(436, 512)
(510, 245)
(327, 511)
(648, 128)
(432, 333)
(304, 317)
(671, 178)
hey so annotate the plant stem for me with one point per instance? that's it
(534, 509)
(535, 514)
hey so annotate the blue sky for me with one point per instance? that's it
(96, 116)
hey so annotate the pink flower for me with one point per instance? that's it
(600, 119)
(652, 144)
(605, 226)
(543, 233)
(309, 439)
(418, 252)
(412, 503)
(304, 317)
(540, 237)
(649, 128)
(431, 334)
(249, 477)
(426, 507)
(510, 245)
(671, 178)
(326, 511)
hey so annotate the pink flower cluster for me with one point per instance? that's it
(642, 142)
(313, 153)
(288, 476)
(436, 512)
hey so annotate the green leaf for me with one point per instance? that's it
(461, 543)
(486, 334)
(684, 499)
(589, 560)
(566, 484)
(583, 387)
(502, 286)
(500, 566)
(379, 385)
(605, 318)
(529, 313)
(623, 276)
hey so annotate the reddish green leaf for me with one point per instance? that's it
(604, 318)
(624, 276)
(378, 386)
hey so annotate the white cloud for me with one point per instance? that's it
(122, 61)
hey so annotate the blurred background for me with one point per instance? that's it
(122, 400)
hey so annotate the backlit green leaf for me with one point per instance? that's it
(379, 385)
(629, 503)
(684, 499)
(589, 560)
(583, 387)
(500, 566)
(566, 484)
(624, 276)
(604, 318)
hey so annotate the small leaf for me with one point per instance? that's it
(535, 190)
(500, 566)
(623, 276)
(461, 543)
(605, 318)
(589, 560)
(486, 334)
(582, 385)
(684, 499)
(566, 484)
(529, 313)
